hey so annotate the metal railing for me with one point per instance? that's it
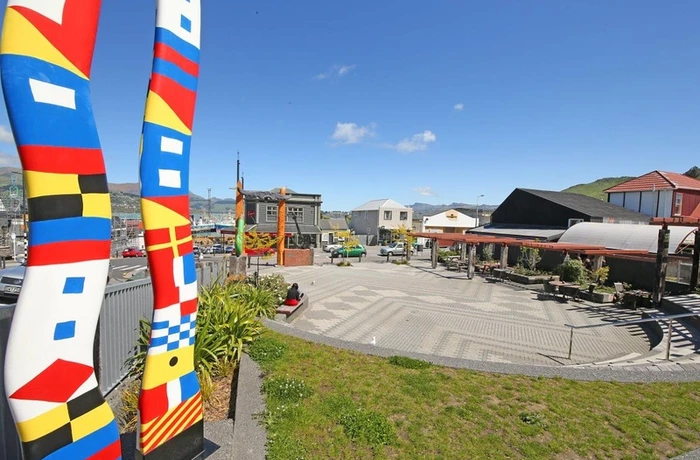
(667, 318)
(118, 328)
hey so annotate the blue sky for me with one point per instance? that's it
(415, 101)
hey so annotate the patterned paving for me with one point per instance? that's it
(416, 309)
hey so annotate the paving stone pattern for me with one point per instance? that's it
(417, 309)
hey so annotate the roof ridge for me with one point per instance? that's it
(663, 175)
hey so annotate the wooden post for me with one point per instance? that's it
(463, 252)
(661, 265)
(470, 267)
(433, 253)
(597, 262)
(281, 220)
(504, 256)
(696, 261)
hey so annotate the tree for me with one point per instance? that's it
(260, 245)
(349, 240)
(403, 234)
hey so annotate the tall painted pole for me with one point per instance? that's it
(281, 230)
(170, 404)
(240, 220)
(46, 56)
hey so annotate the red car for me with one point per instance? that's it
(133, 252)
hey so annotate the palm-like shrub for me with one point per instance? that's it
(227, 322)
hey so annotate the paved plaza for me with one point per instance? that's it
(437, 312)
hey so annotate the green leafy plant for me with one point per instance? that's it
(276, 284)
(529, 257)
(600, 276)
(227, 324)
(400, 262)
(443, 254)
(408, 363)
(533, 418)
(572, 271)
(487, 253)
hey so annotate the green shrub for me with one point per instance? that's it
(365, 425)
(400, 262)
(265, 351)
(443, 254)
(286, 390)
(529, 258)
(275, 284)
(408, 363)
(487, 252)
(226, 326)
(572, 271)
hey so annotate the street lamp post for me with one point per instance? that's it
(477, 208)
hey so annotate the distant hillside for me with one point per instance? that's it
(595, 188)
(425, 209)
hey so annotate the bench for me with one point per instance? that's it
(288, 313)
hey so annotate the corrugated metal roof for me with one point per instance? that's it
(333, 223)
(625, 236)
(546, 233)
(378, 204)
(657, 180)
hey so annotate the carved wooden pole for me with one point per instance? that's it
(434, 248)
(504, 255)
(281, 219)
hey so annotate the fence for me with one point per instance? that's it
(124, 305)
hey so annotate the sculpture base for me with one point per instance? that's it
(237, 266)
(188, 445)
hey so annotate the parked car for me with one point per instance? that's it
(229, 250)
(133, 252)
(396, 248)
(355, 251)
(11, 282)
(332, 247)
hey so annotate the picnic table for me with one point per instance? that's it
(563, 288)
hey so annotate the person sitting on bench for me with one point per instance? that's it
(293, 296)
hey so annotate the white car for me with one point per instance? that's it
(332, 247)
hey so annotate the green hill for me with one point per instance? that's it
(595, 189)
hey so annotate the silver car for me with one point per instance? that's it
(11, 282)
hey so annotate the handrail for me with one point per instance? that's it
(668, 318)
(634, 321)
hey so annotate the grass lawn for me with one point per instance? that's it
(325, 403)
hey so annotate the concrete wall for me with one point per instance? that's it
(298, 257)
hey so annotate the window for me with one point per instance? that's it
(271, 213)
(678, 208)
(387, 215)
(573, 222)
(403, 215)
(295, 211)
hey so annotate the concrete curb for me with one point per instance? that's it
(612, 374)
(249, 435)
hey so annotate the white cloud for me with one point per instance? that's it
(8, 159)
(336, 71)
(425, 191)
(6, 135)
(417, 142)
(459, 107)
(352, 133)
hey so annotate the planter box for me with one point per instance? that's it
(597, 297)
(524, 279)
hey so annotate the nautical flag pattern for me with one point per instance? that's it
(45, 56)
(170, 404)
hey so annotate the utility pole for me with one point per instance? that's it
(209, 202)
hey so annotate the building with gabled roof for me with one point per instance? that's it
(377, 218)
(658, 194)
